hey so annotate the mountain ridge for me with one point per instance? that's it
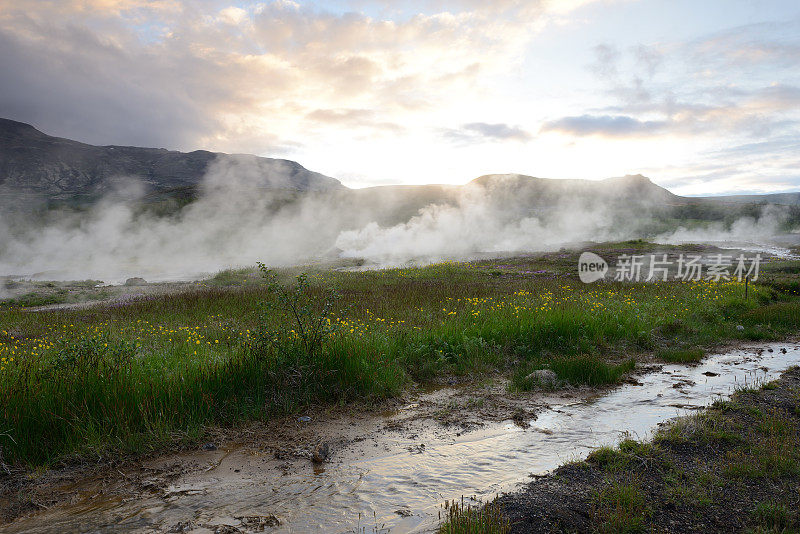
(32, 162)
(56, 168)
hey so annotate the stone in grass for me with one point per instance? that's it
(135, 281)
(545, 377)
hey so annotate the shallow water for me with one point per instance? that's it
(775, 250)
(367, 483)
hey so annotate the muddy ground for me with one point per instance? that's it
(450, 410)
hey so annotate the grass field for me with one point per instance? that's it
(126, 378)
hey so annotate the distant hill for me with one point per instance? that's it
(35, 163)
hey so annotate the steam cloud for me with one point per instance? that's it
(240, 218)
(745, 229)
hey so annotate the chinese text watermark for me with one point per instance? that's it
(662, 267)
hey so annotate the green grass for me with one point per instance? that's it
(628, 452)
(127, 378)
(680, 355)
(33, 299)
(576, 371)
(772, 516)
(783, 276)
(621, 508)
(779, 314)
(66, 293)
(233, 277)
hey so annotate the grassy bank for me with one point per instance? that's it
(733, 468)
(162, 368)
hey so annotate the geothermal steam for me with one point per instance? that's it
(241, 218)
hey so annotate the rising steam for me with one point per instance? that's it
(244, 215)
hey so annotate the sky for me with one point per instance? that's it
(703, 97)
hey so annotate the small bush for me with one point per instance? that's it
(302, 309)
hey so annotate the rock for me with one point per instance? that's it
(209, 447)
(304, 419)
(136, 281)
(783, 351)
(321, 453)
(543, 376)
(739, 327)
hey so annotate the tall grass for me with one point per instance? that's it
(462, 518)
(100, 397)
(132, 377)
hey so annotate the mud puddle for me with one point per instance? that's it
(394, 476)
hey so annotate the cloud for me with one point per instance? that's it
(74, 85)
(606, 59)
(352, 118)
(498, 131)
(262, 76)
(481, 132)
(740, 80)
(751, 45)
(778, 97)
(604, 125)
